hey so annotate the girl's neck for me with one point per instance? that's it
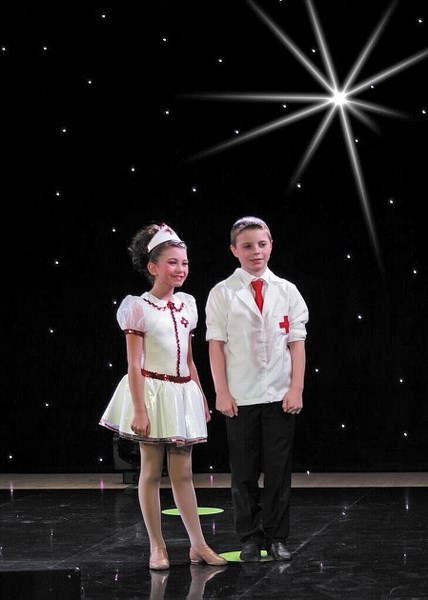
(162, 293)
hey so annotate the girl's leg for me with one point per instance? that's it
(148, 492)
(181, 476)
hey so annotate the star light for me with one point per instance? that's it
(337, 99)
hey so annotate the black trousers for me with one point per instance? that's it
(260, 440)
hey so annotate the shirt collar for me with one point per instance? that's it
(247, 278)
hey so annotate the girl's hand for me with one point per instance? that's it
(140, 425)
(207, 413)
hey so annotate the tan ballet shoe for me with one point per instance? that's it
(206, 555)
(159, 560)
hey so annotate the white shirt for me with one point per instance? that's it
(258, 360)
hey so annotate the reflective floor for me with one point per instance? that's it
(346, 542)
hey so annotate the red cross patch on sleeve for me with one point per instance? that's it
(285, 324)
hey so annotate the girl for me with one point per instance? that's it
(160, 401)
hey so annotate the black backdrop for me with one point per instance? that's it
(102, 128)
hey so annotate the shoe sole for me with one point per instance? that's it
(250, 559)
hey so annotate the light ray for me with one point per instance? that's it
(257, 132)
(249, 97)
(362, 58)
(325, 54)
(316, 140)
(358, 114)
(376, 108)
(389, 72)
(339, 99)
(311, 68)
(358, 175)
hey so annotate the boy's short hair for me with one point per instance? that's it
(247, 223)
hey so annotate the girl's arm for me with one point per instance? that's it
(140, 423)
(195, 376)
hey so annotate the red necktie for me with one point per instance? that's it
(257, 285)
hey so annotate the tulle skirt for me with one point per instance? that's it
(175, 410)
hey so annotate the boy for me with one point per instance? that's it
(257, 359)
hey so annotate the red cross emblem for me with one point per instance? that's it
(285, 324)
(167, 229)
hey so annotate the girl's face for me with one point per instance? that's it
(171, 269)
(253, 249)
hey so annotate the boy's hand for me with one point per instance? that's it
(293, 401)
(226, 404)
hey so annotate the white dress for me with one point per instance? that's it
(175, 410)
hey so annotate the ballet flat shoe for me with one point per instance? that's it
(206, 555)
(159, 559)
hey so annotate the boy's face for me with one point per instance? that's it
(253, 249)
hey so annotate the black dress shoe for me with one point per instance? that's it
(278, 551)
(250, 551)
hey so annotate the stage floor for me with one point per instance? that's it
(81, 481)
(353, 536)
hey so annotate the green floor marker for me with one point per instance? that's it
(234, 556)
(201, 511)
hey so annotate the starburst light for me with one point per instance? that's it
(337, 99)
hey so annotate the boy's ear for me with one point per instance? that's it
(233, 249)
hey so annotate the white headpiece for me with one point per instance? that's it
(165, 234)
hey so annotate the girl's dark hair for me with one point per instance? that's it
(140, 255)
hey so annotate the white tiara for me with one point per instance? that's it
(165, 234)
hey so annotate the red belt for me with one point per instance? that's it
(163, 377)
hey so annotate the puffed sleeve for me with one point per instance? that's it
(191, 308)
(130, 314)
